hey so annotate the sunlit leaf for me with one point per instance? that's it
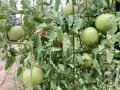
(109, 56)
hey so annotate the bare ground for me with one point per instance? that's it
(9, 82)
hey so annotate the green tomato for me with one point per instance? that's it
(105, 22)
(89, 36)
(34, 76)
(68, 9)
(87, 61)
(16, 33)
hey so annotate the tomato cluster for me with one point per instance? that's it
(103, 23)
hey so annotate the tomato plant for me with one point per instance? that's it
(73, 44)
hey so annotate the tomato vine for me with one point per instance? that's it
(62, 43)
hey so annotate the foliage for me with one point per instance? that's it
(60, 53)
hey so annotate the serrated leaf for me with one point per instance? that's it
(78, 23)
(96, 66)
(114, 27)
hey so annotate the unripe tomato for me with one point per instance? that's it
(89, 36)
(105, 22)
(16, 33)
(34, 76)
(87, 61)
(68, 9)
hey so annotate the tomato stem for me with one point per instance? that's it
(73, 42)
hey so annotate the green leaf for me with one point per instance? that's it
(117, 36)
(61, 67)
(26, 4)
(13, 5)
(52, 36)
(2, 17)
(19, 71)
(38, 19)
(78, 23)
(64, 83)
(70, 20)
(4, 1)
(3, 9)
(29, 24)
(114, 29)
(53, 85)
(9, 62)
(96, 66)
(109, 56)
(57, 3)
(13, 51)
(66, 40)
(101, 47)
(59, 34)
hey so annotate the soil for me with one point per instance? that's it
(9, 83)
